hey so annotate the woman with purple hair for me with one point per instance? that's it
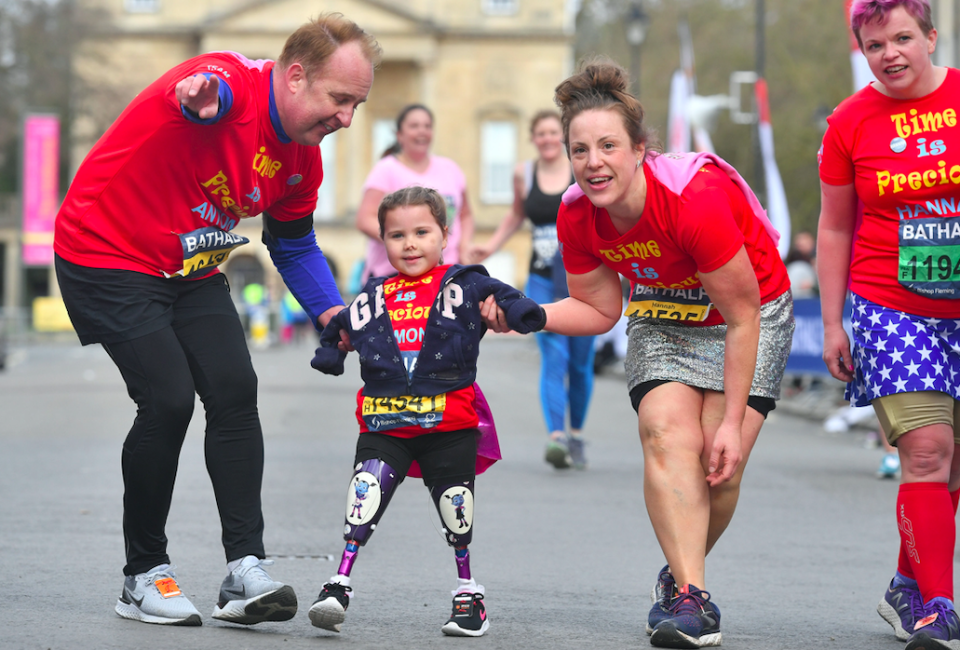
(894, 148)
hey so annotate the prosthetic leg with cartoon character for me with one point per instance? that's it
(455, 505)
(371, 488)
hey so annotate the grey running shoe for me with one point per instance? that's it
(558, 453)
(330, 608)
(577, 457)
(249, 596)
(155, 597)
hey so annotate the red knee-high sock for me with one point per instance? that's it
(903, 566)
(925, 516)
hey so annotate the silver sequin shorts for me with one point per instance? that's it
(660, 349)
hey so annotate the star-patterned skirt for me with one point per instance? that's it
(895, 352)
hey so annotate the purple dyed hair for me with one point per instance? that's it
(865, 11)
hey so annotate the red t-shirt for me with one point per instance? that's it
(903, 157)
(408, 302)
(159, 194)
(677, 236)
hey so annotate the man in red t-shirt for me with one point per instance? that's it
(143, 228)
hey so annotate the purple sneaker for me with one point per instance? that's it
(662, 596)
(901, 606)
(693, 622)
(939, 628)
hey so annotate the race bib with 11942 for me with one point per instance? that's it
(672, 304)
(384, 413)
(930, 257)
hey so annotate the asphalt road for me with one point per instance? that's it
(567, 558)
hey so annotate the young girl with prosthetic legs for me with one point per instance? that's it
(420, 412)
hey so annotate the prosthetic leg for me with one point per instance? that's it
(368, 496)
(454, 503)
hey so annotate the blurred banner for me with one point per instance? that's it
(861, 71)
(683, 86)
(50, 315)
(806, 355)
(777, 208)
(41, 186)
(678, 130)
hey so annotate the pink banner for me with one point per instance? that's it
(41, 187)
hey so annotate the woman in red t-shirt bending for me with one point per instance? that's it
(711, 322)
(895, 147)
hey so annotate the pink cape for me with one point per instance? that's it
(676, 170)
(488, 445)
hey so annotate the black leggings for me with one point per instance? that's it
(205, 355)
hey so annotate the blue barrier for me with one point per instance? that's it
(806, 356)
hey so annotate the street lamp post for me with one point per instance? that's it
(636, 24)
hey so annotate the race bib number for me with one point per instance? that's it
(206, 248)
(930, 257)
(671, 304)
(384, 413)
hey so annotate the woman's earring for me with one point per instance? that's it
(639, 162)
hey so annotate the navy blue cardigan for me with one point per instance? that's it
(451, 338)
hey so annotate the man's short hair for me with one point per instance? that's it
(315, 42)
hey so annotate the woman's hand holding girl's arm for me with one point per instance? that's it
(594, 305)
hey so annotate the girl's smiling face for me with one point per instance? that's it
(413, 239)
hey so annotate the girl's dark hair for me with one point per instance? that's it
(602, 84)
(410, 196)
(394, 149)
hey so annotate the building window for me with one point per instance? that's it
(383, 137)
(501, 7)
(142, 6)
(327, 194)
(498, 151)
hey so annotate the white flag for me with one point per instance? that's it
(777, 209)
(678, 130)
(683, 86)
(861, 69)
